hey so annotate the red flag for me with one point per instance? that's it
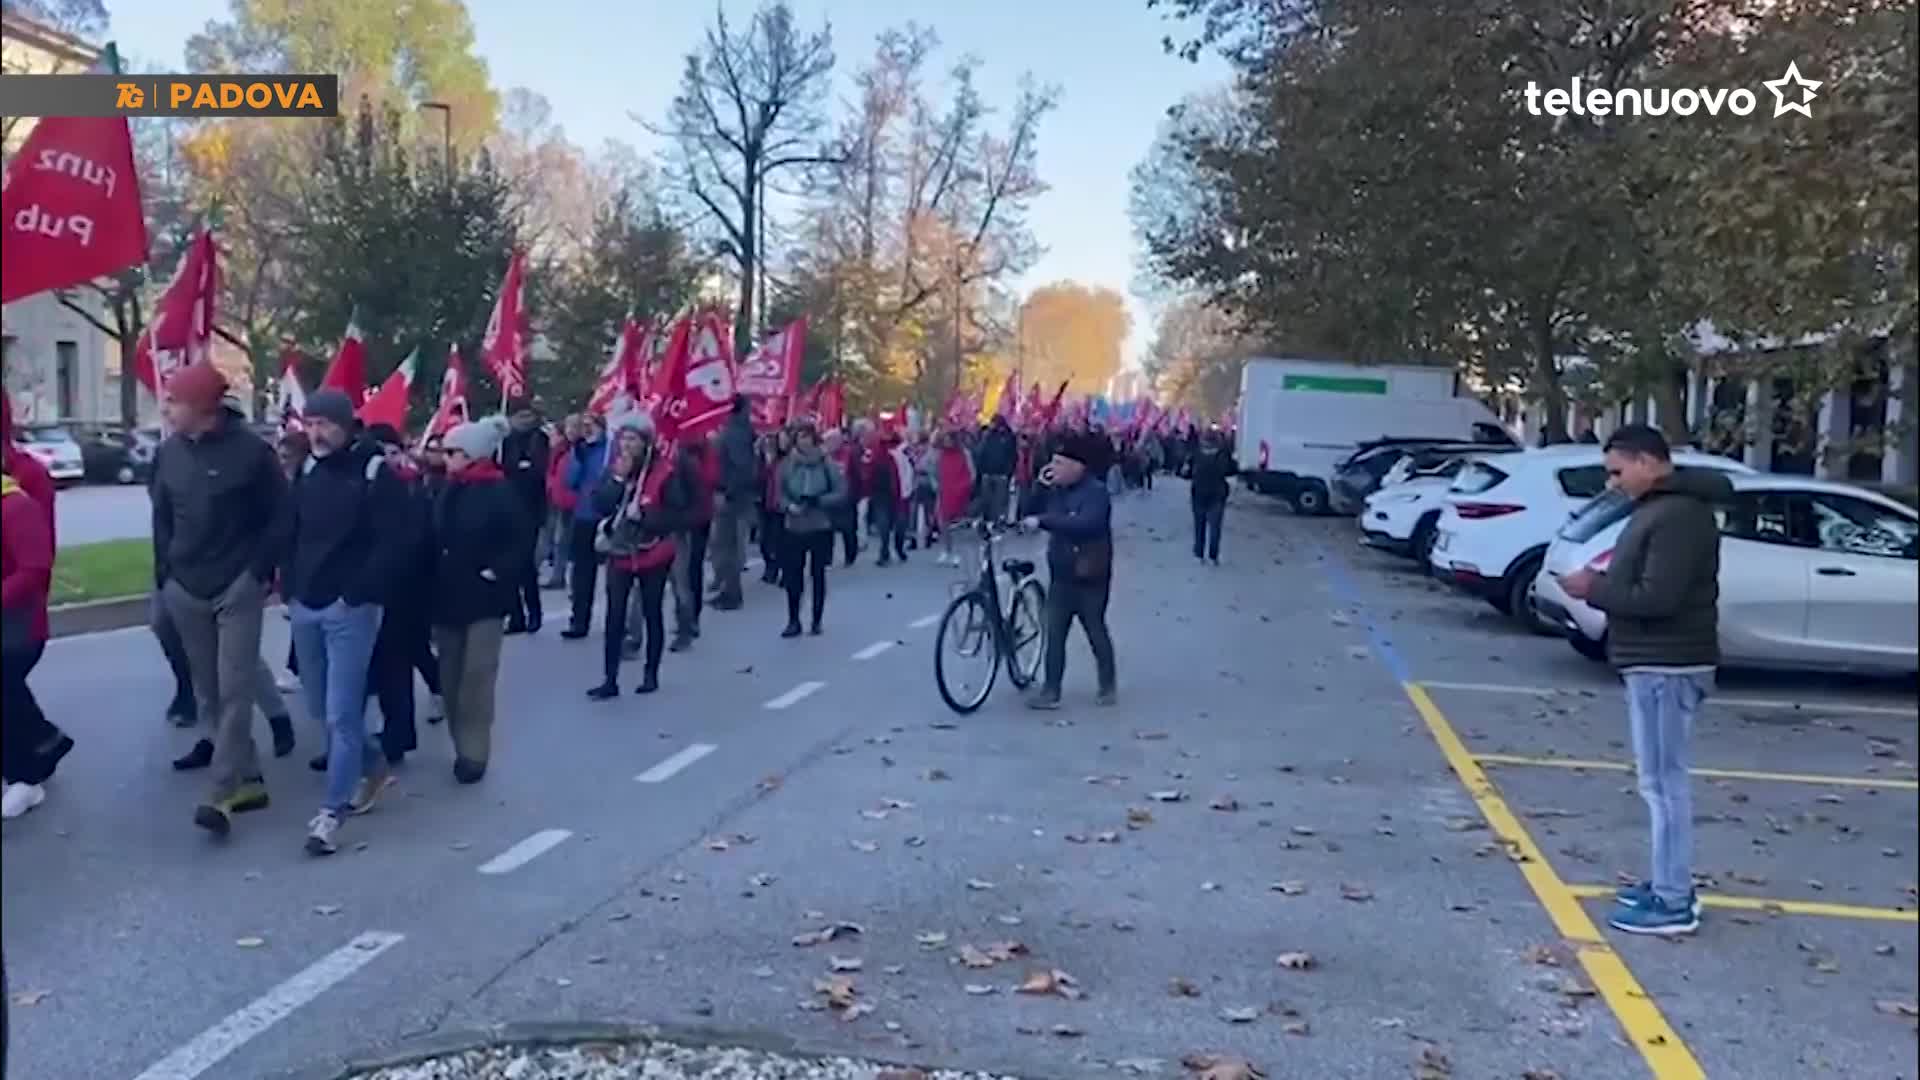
(452, 407)
(509, 337)
(348, 372)
(695, 379)
(831, 404)
(1009, 405)
(183, 316)
(769, 413)
(146, 366)
(69, 206)
(1053, 407)
(622, 376)
(289, 397)
(773, 369)
(388, 405)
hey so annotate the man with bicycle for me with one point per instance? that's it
(1071, 503)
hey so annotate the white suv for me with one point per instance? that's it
(1503, 510)
(1813, 575)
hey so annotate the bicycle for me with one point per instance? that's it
(975, 623)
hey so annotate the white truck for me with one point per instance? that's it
(1300, 419)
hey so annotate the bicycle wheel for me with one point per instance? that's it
(1026, 633)
(965, 640)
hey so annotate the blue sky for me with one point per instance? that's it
(597, 62)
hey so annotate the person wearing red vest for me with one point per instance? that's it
(642, 503)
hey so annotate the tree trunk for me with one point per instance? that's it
(1671, 404)
(1546, 382)
(749, 257)
(127, 317)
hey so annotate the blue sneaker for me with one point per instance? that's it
(1638, 894)
(1657, 918)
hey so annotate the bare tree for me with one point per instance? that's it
(751, 104)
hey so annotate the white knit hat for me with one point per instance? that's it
(634, 420)
(478, 439)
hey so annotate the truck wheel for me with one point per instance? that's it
(1310, 501)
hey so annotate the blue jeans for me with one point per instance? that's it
(335, 648)
(1660, 709)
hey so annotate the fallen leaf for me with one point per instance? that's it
(838, 990)
(762, 972)
(250, 942)
(1296, 1027)
(865, 847)
(1823, 965)
(1054, 981)
(1150, 736)
(1073, 838)
(979, 885)
(718, 843)
(326, 909)
(1209, 886)
(27, 999)
(1897, 1008)
(1066, 1031)
(1179, 987)
(1356, 893)
(1139, 817)
(1432, 1064)
(1544, 955)
(460, 845)
(931, 939)
(1464, 824)
(1303, 830)
(1008, 920)
(1107, 836)
(1168, 795)
(845, 963)
(1296, 961)
(1006, 950)
(1539, 1074)
(770, 782)
(1218, 1067)
(981, 989)
(1883, 950)
(1829, 798)
(936, 774)
(974, 958)
(1225, 803)
(1245, 1014)
(830, 932)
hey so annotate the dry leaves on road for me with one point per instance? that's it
(980, 884)
(27, 999)
(1183, 988)
(1243, 1014)
(1169, 795)
(844, 964)
(1296, 961)
(1432, 1064)
(250, 942)
(1225, 803)
(839, 994)
(829, 932)
(1221, 1067)
(326, 909)
(1359, 894)
(1053, 982)
(1139, 817)
(936, 774)
(931, 939)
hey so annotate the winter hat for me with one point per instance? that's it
(478, 439)
(1081, 448)
(199, 386)
(636, 420)
(331, 405)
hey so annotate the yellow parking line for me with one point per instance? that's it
(1659, 1044)
(1784, 907)
(1716, 774)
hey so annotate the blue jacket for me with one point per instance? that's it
(1072, 516)
(583, 476)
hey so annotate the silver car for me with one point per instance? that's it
(1814, 575)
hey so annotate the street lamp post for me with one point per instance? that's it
(446, 129)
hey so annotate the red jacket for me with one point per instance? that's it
(26, 469)
(559, 496)
(26, 558)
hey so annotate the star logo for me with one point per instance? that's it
(1792, 80)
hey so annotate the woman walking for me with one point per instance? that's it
(811, 488)
(643, 500)
(480, 539)
(33, 746)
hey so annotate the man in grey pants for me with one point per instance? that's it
(266, 695)
(217, 495)
(1661, 593)
(734, 505)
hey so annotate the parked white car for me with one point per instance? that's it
(1503, 511)
(56, 449)
(1401, 517)
(1813, 575)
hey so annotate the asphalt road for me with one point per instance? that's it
(94, 512)
(655, 859)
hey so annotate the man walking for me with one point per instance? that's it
(523, 457)
(217, 494)
(699, 462)
(583, 563)
(1074, 509)
(1661, 593)
(1212, 468)
(344, 555)
(994, 461)
(733, 505)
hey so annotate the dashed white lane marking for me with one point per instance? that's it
(525, 851)
(796, 695)
(213, 1045)
(666, 769)
(1727, 702)
(873, 650)
(924, 621)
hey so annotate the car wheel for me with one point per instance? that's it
(1520, 597)
(124, 474)
(1587, 647)
(1424, 535)
(1310, 501)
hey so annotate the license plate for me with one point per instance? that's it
(1442, 540)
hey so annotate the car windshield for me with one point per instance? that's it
(45, 435)
(1596, 517)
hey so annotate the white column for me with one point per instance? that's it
(1699, 400)
(1833, 435)
(1898, 460)
(1759, 453)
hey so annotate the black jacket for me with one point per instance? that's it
(998, 451)
(216, 508)
(350, 530)
(1211, 469)
(737, 459)
(1661, 592)
(480, 538)
(673, 514)
(523, 457)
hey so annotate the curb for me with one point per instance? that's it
(538, 1034)
(95, 616)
